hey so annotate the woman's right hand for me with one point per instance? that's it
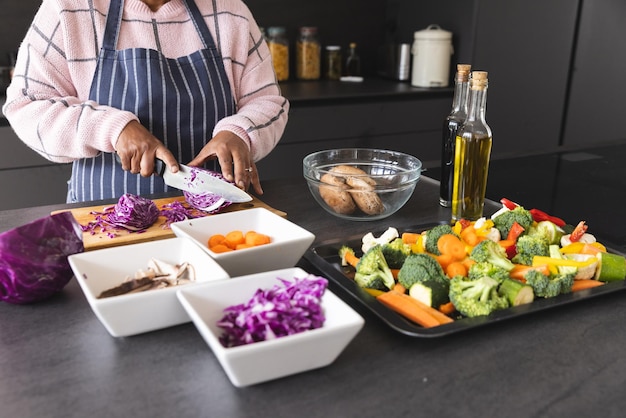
(137, 149)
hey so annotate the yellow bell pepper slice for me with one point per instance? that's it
(540, 260)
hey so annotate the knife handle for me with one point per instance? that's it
(159, 165)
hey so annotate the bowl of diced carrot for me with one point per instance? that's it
(248, 241)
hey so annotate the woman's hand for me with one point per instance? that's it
(137, 149)
(234, 158)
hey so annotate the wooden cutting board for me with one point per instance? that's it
(100, 240)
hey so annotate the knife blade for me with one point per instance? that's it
(195, 180)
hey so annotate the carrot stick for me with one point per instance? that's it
(456, 268)
(519, 271)
(447, 308)
(451, 244)
(585, 284)
(399, 288)
(351, 258)
(413, 309)
(394, 273)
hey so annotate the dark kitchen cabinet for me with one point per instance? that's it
(598, 87)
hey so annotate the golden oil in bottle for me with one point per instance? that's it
(472, 154)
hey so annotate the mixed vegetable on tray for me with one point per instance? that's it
(473, 268)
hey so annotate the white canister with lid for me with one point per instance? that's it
(432, 49)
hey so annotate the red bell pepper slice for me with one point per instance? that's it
(509, 204)
(515, 231)
(539, 215)
(578, 232)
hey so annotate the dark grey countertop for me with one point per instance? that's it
(57, 360)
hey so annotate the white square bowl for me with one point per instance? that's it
(139, 312)
(267, 360)
(289, 241)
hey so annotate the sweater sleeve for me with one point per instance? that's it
(44, 106)
(262, 112)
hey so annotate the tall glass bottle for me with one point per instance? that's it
(451, 126)
(471, 154)
(353, 62)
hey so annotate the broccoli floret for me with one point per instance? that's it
(491, 252)
(549, 286)
(478, 270)
(505, 220)
(528, 246)
(419, 267)
(547, 230)
(372, 270)
(433, 235)
(476, 297)
(396, 252)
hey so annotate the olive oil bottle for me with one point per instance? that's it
(451, 126)
(471, 154)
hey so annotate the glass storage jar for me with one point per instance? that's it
(333, 62)
(308, 54)
(279, 49)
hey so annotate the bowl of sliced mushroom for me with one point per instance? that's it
(132, 288)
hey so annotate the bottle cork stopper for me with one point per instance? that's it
(479, 80)
(463, 72)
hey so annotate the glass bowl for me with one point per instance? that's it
(361, 184)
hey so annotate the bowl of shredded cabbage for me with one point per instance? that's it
(270, 325)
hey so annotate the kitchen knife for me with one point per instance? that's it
(195, 180)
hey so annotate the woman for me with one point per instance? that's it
(185, 81)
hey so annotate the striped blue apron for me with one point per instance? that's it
(178, 100)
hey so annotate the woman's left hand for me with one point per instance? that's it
(234, 158)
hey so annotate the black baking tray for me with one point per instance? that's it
(325, 258)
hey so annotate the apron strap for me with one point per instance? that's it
(112, 28)
(200, 24)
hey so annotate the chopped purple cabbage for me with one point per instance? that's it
(285, 309)
(33, 258)
(207, 202)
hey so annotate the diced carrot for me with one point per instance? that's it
(234, 238)
(444, 260)
(221, 248)
(253, 238)
(242, 246)
(469, 236)
(447, 308)
(468, 262)
(413, 309)
(585, 284)
(456, 268)
(410, 237)
(215, 240)
(451, 244)
(591, 249)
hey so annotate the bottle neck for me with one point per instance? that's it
(477, 104)
(461, 96)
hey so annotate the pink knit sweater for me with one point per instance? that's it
(47, 101)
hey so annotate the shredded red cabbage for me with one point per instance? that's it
(176, 211)
(33, 258)
(133, 212)
(277, 312)
(207, 202)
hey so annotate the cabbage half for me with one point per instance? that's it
(33, 258)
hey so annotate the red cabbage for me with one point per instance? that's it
(133, 212)
(207, 202)
(176, 211)
(276, 312)
(33, 258)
